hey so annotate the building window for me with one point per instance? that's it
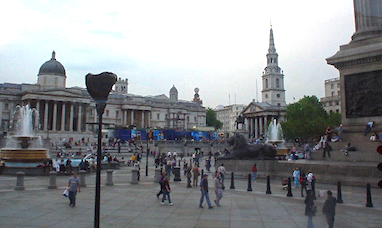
(266, 83)
(332, 86)
(195, 118)
(338, 85)
(266, 95)
(332, 94)
(337, 111)
(188, 119)
(107, 113)
(6, 106)
(278, 95)
(278, 104)
(158, 116)
(55, 81)
(277, 83)
(338, 93)
(337, 103)
(330, 104)
(116, 114)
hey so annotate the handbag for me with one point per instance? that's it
(66, 193)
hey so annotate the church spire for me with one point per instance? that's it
(271, 48)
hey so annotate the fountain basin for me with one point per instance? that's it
(24, 155)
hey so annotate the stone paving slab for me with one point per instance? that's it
(127, 205)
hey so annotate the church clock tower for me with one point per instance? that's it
(273, 78)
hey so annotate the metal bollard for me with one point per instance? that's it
(232, 181)
(339, 192)
(82, 174)
(109, 177)
(52, 180)
(179, 163)
(368, 196)
(268, 185)
(249, 189)
(202, 172)
(20, 181)
(289, 188)
(177, 174)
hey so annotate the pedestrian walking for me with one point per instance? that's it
(204, 191)
(254, 172)
(303, 183)
(167, 191)
(161, 184)
(222, 172)
(310, 209)
(296, 177)
(218, 189)
(73, 185)
(196, 174)
(329, 208)
(327, 149)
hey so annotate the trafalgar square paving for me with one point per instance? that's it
(135, 205)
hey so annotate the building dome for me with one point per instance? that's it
(173, 89)
(52, 67)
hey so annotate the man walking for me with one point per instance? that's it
(329, 209)
(218, 189)
(204, 190)
(222, 171)
(73, 184)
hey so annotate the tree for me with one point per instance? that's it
(211, 119)
(306, 119)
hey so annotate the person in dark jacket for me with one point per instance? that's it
(310, 209)
(204, 191)
(329, 209)
(162, 185)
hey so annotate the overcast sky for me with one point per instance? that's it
(218, 46)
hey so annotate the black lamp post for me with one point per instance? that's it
(99, 87)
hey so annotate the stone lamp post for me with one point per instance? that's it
(99, 87)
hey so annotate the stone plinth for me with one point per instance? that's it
(134, 176)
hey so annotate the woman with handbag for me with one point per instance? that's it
(310, 208)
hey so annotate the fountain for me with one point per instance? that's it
(23, 151)
(275, 136)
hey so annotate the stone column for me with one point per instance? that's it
(256, 127)
(71, 117)
(79, 118)
(261, 125)
(20, 181)
(109, 177)
(52, 180)
(132, 117)
(82, 174)
(36, 123)
(265, 123)
(46, 115)
(251, 131)
(54, 124)
(63, 115)
(143, 119)
(368, 18)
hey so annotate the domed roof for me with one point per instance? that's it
(52, 67)
(173, 89)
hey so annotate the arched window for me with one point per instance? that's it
(277, 83)
(271, 60)
(266, 83)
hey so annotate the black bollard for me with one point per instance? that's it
(339, 193)
(202, 172)
(268, 185)
(179, 163)
(232, 182)
(249, 183)
(289, 188)
(189, 182)
(368, 196)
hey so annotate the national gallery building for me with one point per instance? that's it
(70, 112)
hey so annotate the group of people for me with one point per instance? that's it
(328, 209)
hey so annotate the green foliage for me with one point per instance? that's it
(211, 119)
(308, 119)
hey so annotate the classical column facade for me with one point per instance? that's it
(63, 115)
(54, 124)
(46, 116)
(79, 119)
(257, 127)
(71, 115)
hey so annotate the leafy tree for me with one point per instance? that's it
(306, 119)
(212, 120)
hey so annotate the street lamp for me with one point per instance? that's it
(99, 87)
